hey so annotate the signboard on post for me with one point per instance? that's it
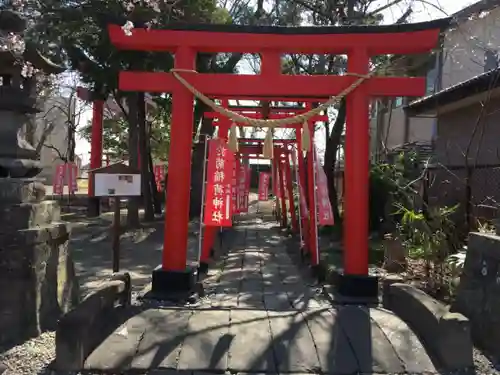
(218, 196)
(119, 181)
(325, 214)
(264, 186)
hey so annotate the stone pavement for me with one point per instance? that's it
(261, 315)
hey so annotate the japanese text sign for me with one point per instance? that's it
(264, 178)
(234, 187)
(159, 171)
(242, 189)
(218, 189)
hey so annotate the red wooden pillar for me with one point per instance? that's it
(274, 167)
(289, 187)
(94, 207)
(280, 169)
(356, 172)
(302, 179)
(179, 184)
(311, 192)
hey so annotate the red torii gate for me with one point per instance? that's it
(358, 42)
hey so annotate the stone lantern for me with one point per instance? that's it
(37, 276)
(18, 158)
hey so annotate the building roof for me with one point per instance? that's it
(476, 85)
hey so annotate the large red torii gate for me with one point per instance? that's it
(359, 43)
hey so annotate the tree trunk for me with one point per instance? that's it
(332, 146)
(133, 135)
(149, 214)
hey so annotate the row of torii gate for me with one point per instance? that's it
(357, 87)
(283, 150)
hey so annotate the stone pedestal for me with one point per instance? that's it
(478, 294)
(37, 275)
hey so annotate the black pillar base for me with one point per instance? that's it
(319, 272)
(203, 268)
(172, 285)
(357, 287)
(93, 206)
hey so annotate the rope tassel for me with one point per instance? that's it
(306, 137)
(267, 147)
(232, 141)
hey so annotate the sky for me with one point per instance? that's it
(422, 11)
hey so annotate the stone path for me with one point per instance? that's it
(261, 315)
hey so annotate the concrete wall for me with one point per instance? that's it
(454, 137)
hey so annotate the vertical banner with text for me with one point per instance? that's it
(220, 169)
(242, 189)
(264, 186)
(72, 174)
(159, 171)
(325, 214)
(58, 184)
(234, 186)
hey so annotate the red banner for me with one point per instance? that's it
(58, 183)
(218, 189)
(325, 214)
(264, 186)
(159, 171)
(242, 189)
(234, 186)
(72, 173)
(66, 175)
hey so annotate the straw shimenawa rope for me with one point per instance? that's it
(269, 123)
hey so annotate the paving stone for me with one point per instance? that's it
(335, 354)
(253, 300)
(251, 349)
(292, 342)
(207, 341)
(118, 350)
(372, 348)
(405, 342)
(163, 338)
(224, 300)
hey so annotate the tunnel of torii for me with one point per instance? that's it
(358, 85)
(252, 149)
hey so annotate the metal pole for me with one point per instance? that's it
(203, 186)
